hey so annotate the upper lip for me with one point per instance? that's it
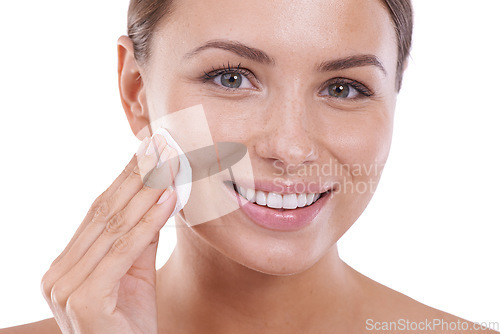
(281, 186)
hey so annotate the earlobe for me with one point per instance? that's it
(131, 86)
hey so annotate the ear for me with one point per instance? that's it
(132, 90)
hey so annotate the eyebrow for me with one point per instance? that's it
(238, 48)
(350, 62)
(260, 56)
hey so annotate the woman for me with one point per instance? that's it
(295, 97)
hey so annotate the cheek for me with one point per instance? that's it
(361, 140)
(359, 145)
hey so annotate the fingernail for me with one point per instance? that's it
(157, 143)
(166, 195)
(142, 146)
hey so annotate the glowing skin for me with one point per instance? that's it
(285, 118)
(225, 274)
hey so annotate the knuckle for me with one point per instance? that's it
(99, 200)
(80, 305)
(56, 261)
(129, 168)
(137, 172)
(146, 221)
(156, 239)
(105, 210)
(122, 245)
(115, 224)
(46, 285)
(74, 303)
(59, 294)
(94, 207)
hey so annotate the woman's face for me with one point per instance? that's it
(313, 102)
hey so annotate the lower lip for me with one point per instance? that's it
(286, 220)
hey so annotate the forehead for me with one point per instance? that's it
(286, 28)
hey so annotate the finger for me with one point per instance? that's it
(147, 260)
(126, 250)
(103, 203)
(51, 276)
(96, 241)
(97, 203)
(117, 226)
(109, 208)
(118, 183)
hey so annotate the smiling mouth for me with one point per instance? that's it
(279, 202)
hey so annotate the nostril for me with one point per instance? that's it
(287, 149)
(311, 156)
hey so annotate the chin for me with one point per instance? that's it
(280, 266)
(267, 252)
(290, 242)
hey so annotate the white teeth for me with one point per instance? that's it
(301, 200)
(309, 199)
(290, 201)
(242, 191)
(278, 201)
(274, 201)
(250, 195)
(261, 198)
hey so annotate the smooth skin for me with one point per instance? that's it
(228, 275)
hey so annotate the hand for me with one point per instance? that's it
(105, 279)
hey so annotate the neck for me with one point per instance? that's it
(215, 290)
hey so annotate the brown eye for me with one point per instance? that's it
(339, 90)
(231, 80)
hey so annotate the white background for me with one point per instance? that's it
(431, 231)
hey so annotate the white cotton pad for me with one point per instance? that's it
(183, 179)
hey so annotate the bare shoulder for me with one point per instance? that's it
(404, 314)
(47, 326)
(389, 311)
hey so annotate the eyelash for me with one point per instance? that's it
(358, 86)
(207, 76)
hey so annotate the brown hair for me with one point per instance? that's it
(144, 15)
(402, 17)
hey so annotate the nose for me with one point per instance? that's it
(287, 139)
